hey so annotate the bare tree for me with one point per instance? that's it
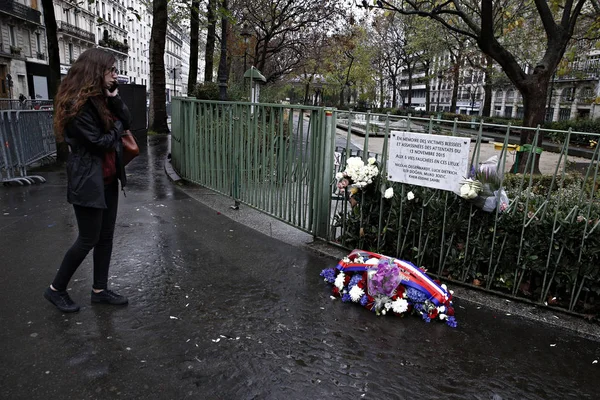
(485, 22)
(194, 33)
(158, 111)
(281, 29)
(62, 149)
(211, 33)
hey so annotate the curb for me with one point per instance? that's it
(170, 171)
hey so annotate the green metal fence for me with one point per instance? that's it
(282, 159)
(271, 157)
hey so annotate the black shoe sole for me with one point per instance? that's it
(96, 301)
(65, 310)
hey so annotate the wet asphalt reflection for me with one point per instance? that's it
(219, 311)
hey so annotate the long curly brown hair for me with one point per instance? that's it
(84, 81)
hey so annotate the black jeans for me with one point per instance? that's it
(96, 229)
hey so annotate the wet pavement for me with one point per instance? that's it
(220, 311)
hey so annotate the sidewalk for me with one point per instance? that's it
(220, 311)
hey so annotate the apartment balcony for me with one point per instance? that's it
(21, 11)
(115, 45)
(76, 32)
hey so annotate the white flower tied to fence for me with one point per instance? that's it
(357, 174)
(483, 187)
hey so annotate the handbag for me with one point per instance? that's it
(130, 147)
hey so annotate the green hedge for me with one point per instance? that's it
(576, 125)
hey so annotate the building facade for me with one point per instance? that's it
(571, 95)
(23, 52)
(76, 24)
(122, 27)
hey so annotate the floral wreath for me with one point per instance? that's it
(387, 285)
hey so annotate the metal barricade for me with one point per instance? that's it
(27, 137)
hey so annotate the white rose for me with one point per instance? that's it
(371, 161)
(339, 176)
(472, 194)
(389, 193)
(410, 196)
(464, 190)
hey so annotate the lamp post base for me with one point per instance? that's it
(222, 91)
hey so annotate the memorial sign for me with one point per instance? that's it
(434, 161)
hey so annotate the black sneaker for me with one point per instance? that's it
(109, 297)
(61, 300)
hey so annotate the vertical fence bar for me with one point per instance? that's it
(326, 156)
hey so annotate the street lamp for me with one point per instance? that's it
(174, 70)
(246, 33)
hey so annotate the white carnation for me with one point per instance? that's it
(356, 293)
(339, 280)
(339, 176)
(410, 196)
(400, 306)
(371, 161)
(389, 193)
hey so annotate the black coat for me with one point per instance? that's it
(88, 142)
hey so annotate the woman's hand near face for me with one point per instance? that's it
(111, 94)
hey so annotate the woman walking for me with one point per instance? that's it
(91, 117)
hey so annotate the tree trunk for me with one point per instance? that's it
(62, 148)
(194, 33)
(381, 92)
(223, 73)
(158, 111)
(394, 93)
(427, 90)
(409, 94)
(534, 105)
(306, 90)
(209, 57)
(455, 79)
(486, 111)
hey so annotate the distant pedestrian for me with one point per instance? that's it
(91, 117)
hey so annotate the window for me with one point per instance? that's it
(28, 48)
(38, 42)
(71, 58)
(13, 36)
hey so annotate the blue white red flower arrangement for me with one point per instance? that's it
(387, 285)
